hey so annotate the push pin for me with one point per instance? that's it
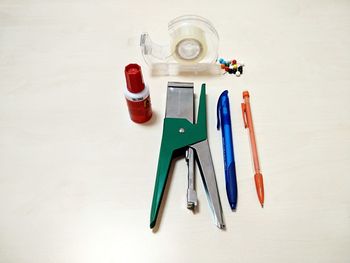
(231, 66)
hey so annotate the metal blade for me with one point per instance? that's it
(206, 168)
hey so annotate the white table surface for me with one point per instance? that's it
(77, 176)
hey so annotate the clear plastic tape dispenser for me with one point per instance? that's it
(193, 48)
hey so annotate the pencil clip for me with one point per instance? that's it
(244, 110)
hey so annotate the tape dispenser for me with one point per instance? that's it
(193, 48)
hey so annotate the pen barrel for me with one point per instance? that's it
(223, 112)
(226, 130)
(227, 144)
(229, 160)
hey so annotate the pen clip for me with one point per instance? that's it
(218, 106)
(244, 114)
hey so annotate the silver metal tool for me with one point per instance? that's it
(180, 105)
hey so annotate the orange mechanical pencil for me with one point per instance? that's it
(248, 123)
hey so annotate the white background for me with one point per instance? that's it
(77, 176)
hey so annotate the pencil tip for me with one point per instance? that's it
(262, 205)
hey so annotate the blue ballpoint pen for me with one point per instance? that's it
(224, 118)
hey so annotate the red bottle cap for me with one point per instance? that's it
(134, 80)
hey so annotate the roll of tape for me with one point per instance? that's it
(188, 44)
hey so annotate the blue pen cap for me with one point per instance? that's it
(223, 110)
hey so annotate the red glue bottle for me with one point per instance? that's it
(137, 94)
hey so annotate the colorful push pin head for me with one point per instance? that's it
(231, 66)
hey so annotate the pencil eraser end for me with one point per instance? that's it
(245, 94)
